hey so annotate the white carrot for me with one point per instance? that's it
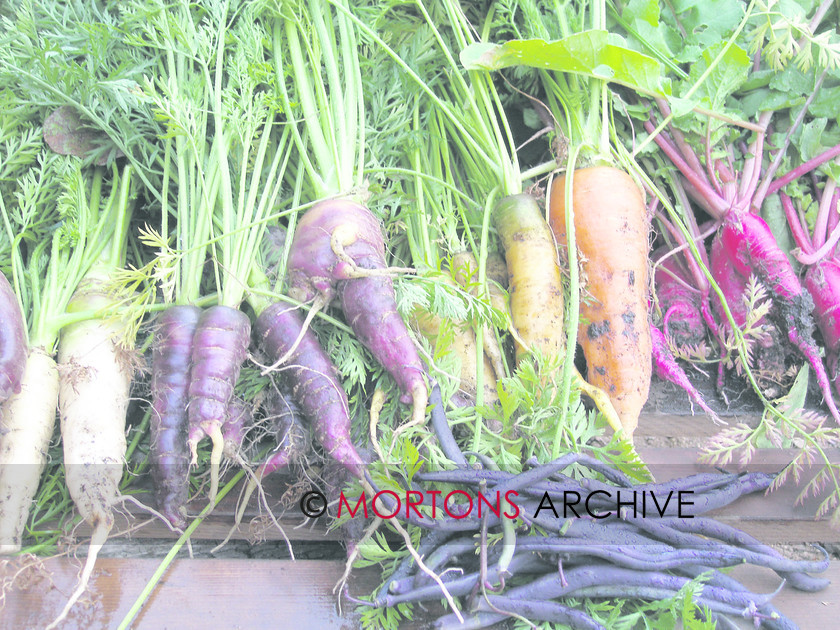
(95, 380)
(95, 366)
(27, 420)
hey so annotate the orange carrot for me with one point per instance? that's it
(612, 239)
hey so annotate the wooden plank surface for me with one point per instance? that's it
(246, 594)
(194, 593)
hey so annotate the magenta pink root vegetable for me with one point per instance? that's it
(169, 455)
(732, 283)
(769, 355)
(220, 346)
(667, 368)
(823, 283)
(13, 346)
(682, 318)
(314, 382)
(746, 236)
(753, 248)
(338, 248)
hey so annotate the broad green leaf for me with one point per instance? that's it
(727, 76)
(588, 53)
(793, 80)
(825, 103)
(704, 23)
(815, 140)
(681, 106)
(645, 17)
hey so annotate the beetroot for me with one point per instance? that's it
(746, 238)
(667, 368)
(769, 354)
(752, 248)
(731, 283)
(822, 281)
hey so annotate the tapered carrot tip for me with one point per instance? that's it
(218, 440)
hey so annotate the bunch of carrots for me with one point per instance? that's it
(288, 210)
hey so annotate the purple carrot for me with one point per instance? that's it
(314, 382)
(220, 346)
(239, 420)
(13, 346)
(668, 369)
(370, 308)
(291, 437)
(169, 455)
(338, 250)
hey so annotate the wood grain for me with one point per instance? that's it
(254, 594)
